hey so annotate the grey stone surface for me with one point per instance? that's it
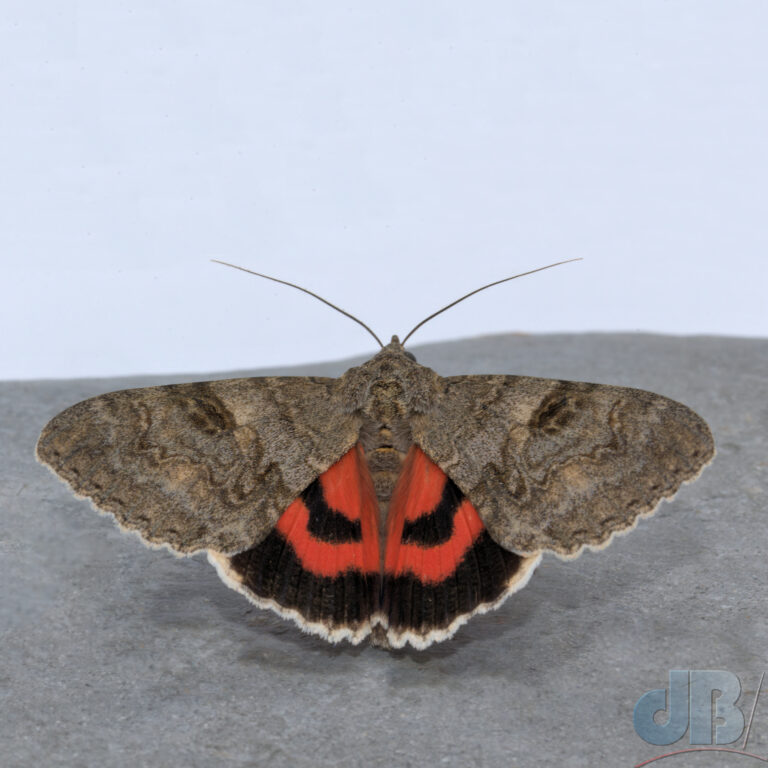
(116, 655)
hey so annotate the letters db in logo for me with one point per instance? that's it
(701, 702)
(689, 702)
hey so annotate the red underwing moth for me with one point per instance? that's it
(390, 503)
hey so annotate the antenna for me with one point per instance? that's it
(477, 290)
(299, 288)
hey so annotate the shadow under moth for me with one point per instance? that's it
(389, 503)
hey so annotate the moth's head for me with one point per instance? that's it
(396, 346)
(394, 362)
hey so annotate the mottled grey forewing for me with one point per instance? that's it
(557, 465)
(200, 466)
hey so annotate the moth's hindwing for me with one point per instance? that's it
(440, 565)
(320, 564)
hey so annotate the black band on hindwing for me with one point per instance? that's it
(326, 524)
(480, 577)
(272, 570)
(435, 527)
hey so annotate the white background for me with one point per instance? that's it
(389, 156)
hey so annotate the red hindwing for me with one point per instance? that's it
(321, 564)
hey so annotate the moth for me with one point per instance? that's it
(390, 503)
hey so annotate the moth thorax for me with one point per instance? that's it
(386, 402)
